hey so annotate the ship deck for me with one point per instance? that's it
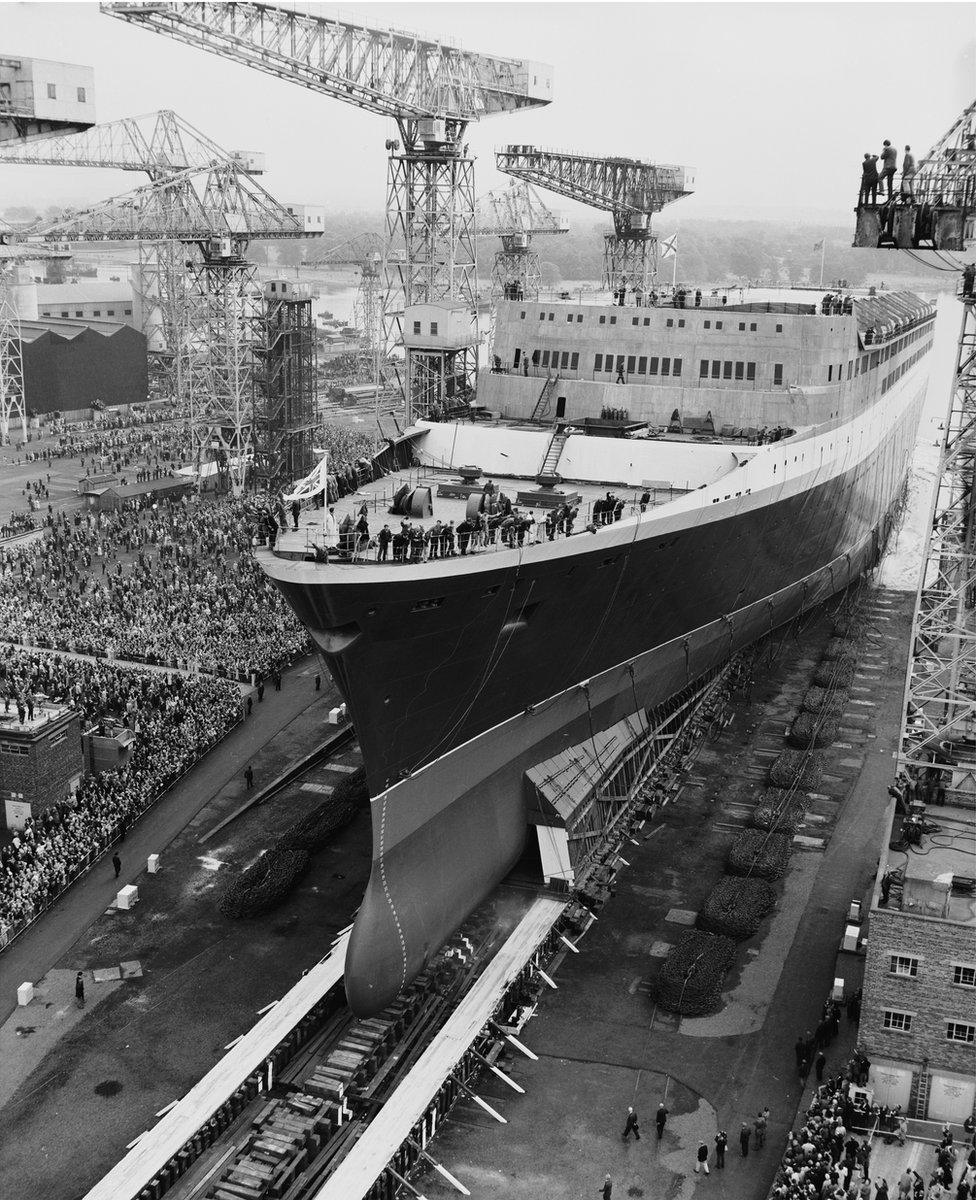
(450, 501)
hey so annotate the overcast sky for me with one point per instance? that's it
(774, 104)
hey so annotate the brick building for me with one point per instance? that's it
(40, 761)
(918, 1019)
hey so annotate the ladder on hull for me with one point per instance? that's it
(544, 403)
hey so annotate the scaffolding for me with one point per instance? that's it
(938, 738)
(285, 392)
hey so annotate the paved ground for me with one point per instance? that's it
(603, 1045)
(76, 1087)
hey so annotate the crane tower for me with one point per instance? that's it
(224, 341)
(629, 189)
(515, 214)
(934, 209)
(433, 90)
(161, 144)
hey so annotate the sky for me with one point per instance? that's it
(773, 104)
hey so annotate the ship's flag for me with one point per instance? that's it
(669, 246)
(317, 480)
(818, 245)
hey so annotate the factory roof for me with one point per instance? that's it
(30, 331)
(85, 291)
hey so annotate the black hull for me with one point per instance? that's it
(453, 702)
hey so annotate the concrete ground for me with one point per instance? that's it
(78, 1086)
(602, 1042)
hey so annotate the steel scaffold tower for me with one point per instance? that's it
(432, 90)
(939, 722)
(631, 190)
(515, 214)
(161, 144)
(217, 210)
(285, 410)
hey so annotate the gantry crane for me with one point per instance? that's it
(515, 214)
(13, 406)
(631, 190)
(432, 90)
(367, 254)
(932, 209)
(224, 343)
(160, 144)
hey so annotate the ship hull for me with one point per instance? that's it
(452, 703)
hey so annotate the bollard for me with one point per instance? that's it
(25, 994)
(152, 864)
(128, 897)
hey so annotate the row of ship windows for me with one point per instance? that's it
(901, 1022)
(643, 364)
(897, 373)
(611, 319)
(867, 362)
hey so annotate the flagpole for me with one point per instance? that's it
(823, 251)
(674, 268)
(325, 493)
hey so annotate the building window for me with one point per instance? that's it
(726, 370)
(830, 374)
(608, 365)
(647, 320)
(552, 316)
(740, 370)
(416, 327)
(433, 329)
(718, 324)
(676, 367)
(569, 318)
(642, 365)
(742, 326)
(79, 313)
(52, 92)
(670, 323)
(902, 964)
(703, 369)
(574, 361)
(545, 358)
(665, 366)
(565, 362)
(128, 312)
(613, 320)
(901, 1022)
(681, 322)
(635, 321)
(64, 312)
(96, 312)
(603, 320)
(963, 975)
(778, 374)
(579, 318)
(750, 371)
(631, 364)
(82, 98)
(652, 367)
(716, 368)
(752, 327)
(779, 328)
(542, 316)
(522, 315)
(620, 363)
(708, 324)
(960, 1031)
(110, 312)
(598, 363)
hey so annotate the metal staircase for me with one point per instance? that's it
(553, 453)
(544, 404)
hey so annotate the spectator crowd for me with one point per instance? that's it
(175, 720)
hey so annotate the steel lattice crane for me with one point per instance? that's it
(12, 403)
(631, 190)
(160, 144)
(367, 254)
(934, 209)
(515, 214)
(224, 340)
(432, 90)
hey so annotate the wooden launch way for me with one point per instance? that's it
(158, 1146)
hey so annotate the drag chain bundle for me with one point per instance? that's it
(795, 769)
(835, 673)
(736, 907)
(692, 974)
(313, 831)
(757, 853)
(264, 884)
(810, 730)
(777, 810)
(819, 700)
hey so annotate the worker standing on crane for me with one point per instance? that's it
(908, 176)
(889, 164)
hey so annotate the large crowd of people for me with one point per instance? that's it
(175, 720)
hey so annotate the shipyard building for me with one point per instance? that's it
(918, 1021)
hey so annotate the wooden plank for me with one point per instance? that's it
(157, 1147)
(360, 1169)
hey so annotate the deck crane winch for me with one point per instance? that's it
(367, 254)
(224, 343)
(13, 406)
(515, 214)
(433, 90)
(629, 189)
(160, 144)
